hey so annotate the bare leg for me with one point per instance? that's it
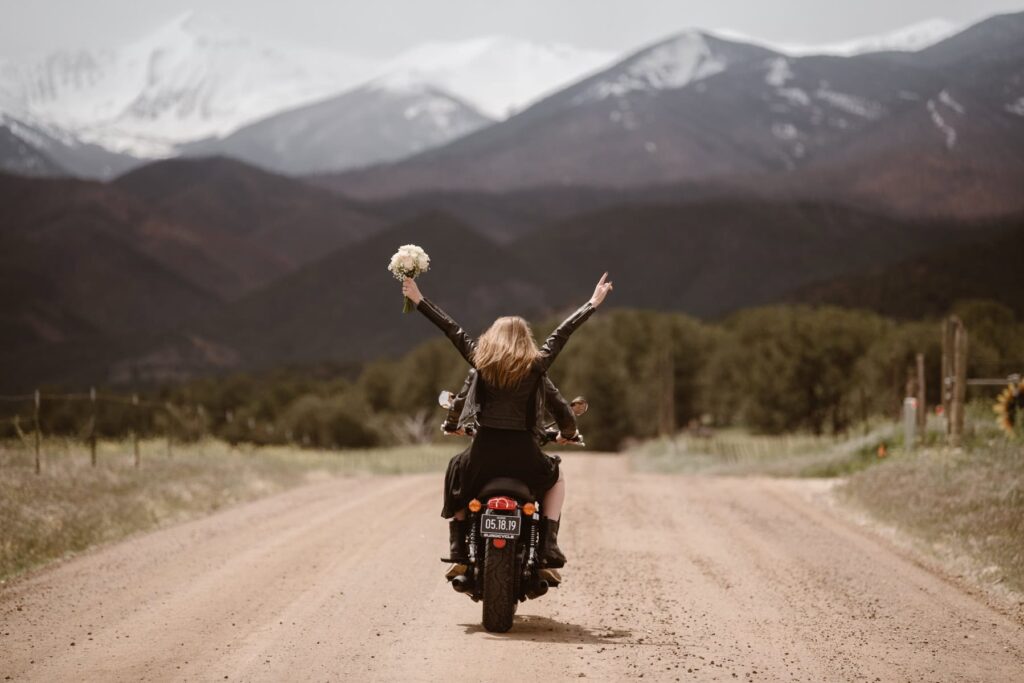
(551, 506)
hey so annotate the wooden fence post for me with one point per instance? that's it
(946, 380)
(170, 416)
(960, 383)
(38, 402)
(135, 428)
(957, 382)
(922, 409)
(92, 429)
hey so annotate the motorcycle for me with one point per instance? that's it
(503, 541)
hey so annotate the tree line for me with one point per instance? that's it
(775, 369)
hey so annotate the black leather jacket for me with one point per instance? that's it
(463, 412)
(521, 407)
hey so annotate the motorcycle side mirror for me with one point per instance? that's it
(579, 406)
(445, 399)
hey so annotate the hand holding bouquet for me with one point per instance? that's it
(409, 262)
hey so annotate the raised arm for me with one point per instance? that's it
(559, 409)
(554, 344)
(465, 344)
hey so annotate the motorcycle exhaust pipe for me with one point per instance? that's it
(539, 589)
(460, 583)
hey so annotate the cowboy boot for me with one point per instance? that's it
(551, 555)
(457, 554)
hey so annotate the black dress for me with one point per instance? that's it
(505, 444)
(497, 452)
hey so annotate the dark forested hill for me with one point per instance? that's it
(101, 284)
(92, 271)
(704, 258)
(929, 284)
(256, 225)
(710, 258)
(346, 306)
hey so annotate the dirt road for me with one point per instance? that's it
(671, 578)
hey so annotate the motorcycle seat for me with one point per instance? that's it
(506, 486)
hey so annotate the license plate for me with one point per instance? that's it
(500, 526)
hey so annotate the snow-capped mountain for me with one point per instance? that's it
(698, 108)
(389, 118)
(499, 75)
(197, 80)
(424, 98)
(675, 63)
(42, 150)
(191, 78)
(19, 155)
(911, 38)
(197, 85)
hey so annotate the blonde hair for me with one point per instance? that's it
(506, 352)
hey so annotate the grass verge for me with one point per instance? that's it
(963, 503)
(963, 506)
(734, 452)
(71, 505)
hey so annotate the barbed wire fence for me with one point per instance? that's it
(21, 417)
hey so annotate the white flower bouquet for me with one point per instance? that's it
(409, 261)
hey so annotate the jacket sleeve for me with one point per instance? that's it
(554, 344)
(559, 409)
(465, 344)
(451, 422)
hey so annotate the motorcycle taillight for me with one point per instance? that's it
(502, 503)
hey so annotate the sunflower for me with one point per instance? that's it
(1009, 408)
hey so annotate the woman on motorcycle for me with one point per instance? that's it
(511, 369)
(462, 421)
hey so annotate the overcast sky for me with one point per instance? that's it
(381, 28)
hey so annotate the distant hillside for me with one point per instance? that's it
(505, 217)
(44, 151)
(347, 307)
(928, 285)
(256, 225)
(710, 258)
(92, 272)
(373, 123)
(704, 258)
(934, 133)
(80, 279)
(18, 155)
(178, 269)
(162, 244)
(76, 259)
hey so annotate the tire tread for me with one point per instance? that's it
(499, 603)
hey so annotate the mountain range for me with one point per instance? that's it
(193, 77)
(198, 85)
(198, 79)
(707, 174)
(935, 131)
(199, 266)
(929, 284)
(907, 39)
(382, 121)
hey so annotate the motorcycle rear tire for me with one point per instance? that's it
(500, 572)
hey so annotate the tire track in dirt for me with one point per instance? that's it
(670, 578)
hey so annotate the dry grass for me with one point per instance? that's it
(72, 506)
(966, 502)
(734, 452)
(966, 506)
